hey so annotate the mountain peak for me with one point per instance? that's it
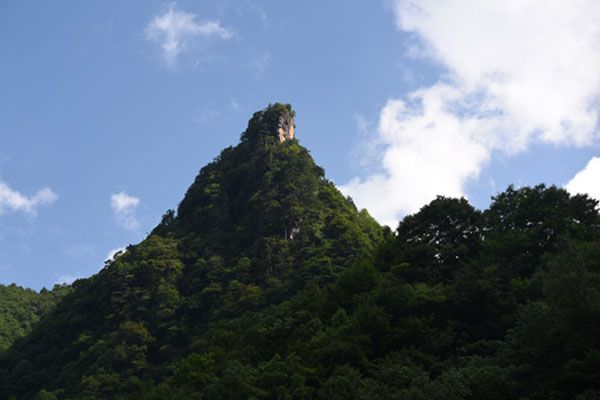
(276, 121)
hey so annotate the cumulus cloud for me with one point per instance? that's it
(174, 30)
(587, 181)
(124, 207)
(515, 72)
(428, 151)
(13, 200)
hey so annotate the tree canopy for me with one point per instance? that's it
(21, 308)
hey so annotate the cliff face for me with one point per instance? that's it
(286, 128)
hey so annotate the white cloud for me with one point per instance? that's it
(12, 200)
(111, 254)
(174, 30)
(587, 181)
(122, 202)
(428, 151)
(124, 207)
(516, 72)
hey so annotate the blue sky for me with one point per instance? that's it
(109, 109)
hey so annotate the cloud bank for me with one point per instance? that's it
(516, 72)
(12, 200)
(124, 207)
(174, 30)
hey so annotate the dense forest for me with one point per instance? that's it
(21, 308)
(267, 283)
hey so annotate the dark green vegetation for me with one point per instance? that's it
(268, 284)
(21, 308)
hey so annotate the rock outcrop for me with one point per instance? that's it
(286, 127)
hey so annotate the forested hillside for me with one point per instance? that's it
(21, 308)
(267, 283)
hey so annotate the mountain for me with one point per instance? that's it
(21, 308)
(267, 283)
(259, 224)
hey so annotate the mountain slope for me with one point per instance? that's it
(259, 224)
